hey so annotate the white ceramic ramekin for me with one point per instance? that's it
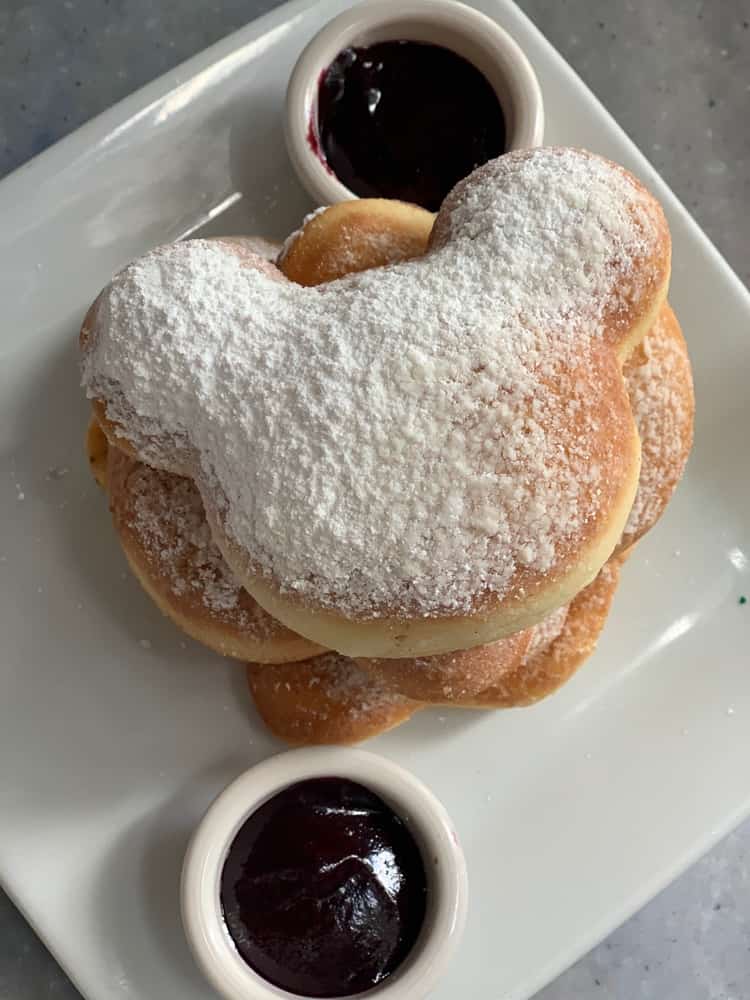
(409, 798)
(453, 25)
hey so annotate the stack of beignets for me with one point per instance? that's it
(461, 425)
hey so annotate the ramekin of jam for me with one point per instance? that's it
(324, 873)
(402, 99)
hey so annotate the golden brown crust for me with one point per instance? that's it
(660, 386)
(111, 431)
(160, 522)
(450, 677)
(354, 236)
(552, 666)
(97, 447)
(325, 700)
(332, 699)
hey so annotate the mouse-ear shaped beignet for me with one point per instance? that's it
(418, 458)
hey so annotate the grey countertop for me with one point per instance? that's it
(676, 75)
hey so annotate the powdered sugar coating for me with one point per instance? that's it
(267, 249)
(390, 441)
(348, 685)
(327, 699)
(661, 395)
(545, 633)
(166, 516)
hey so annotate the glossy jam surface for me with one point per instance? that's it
(406, 120)
(324, 889)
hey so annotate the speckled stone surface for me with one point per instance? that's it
(676, 75)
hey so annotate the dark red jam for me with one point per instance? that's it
(406, 120)
(324, 889)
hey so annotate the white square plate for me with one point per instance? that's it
(115, 734)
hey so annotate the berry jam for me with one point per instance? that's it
(324, 889)
(406, 120)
